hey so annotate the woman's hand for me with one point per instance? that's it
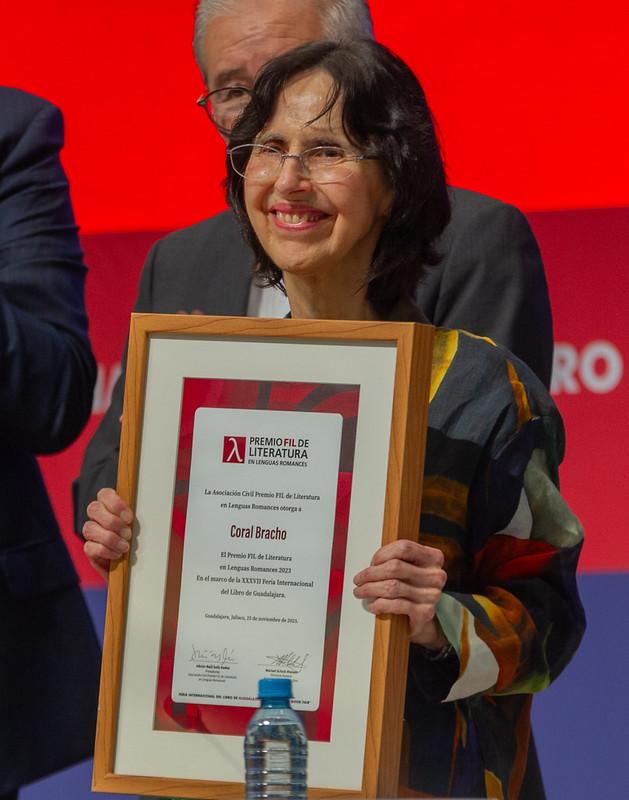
(406, 578)
(107, 532)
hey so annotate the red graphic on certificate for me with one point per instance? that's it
(234, 449)
(195, 690)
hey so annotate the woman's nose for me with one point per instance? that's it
(292, 176)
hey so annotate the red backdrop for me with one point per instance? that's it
(531, 99)
(532, 109)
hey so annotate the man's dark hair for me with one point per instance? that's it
(384, 113)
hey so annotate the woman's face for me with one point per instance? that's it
(328, 230)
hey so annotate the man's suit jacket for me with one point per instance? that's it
(490, 282)
(49, 653)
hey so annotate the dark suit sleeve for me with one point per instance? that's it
(47, 370)
(493, 283)
(100, 461)
(205, 266)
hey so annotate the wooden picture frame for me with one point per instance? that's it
(161, 344)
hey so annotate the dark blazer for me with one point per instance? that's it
(490, 282)
(49, 654)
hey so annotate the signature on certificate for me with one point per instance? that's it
(288, 661)
(213, 656)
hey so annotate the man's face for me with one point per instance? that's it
(240, 42)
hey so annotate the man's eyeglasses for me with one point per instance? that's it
(259, 163)
(224, 106)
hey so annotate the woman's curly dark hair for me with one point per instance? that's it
(384, 113)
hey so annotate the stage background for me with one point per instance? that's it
(532, 107)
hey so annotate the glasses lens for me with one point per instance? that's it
(326, 164)
(255, 162)
(227, 104)
(263, 164)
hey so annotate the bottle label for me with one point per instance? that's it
(277, 760)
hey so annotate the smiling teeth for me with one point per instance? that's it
(295, 219)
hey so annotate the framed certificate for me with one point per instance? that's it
(266, 460)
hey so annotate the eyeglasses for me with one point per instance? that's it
(224, 106)
(325, 164)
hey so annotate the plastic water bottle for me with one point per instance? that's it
(276, 748)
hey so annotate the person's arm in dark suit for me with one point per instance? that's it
(205, 266)
(100, 460)
(47, 370)
(491, 281)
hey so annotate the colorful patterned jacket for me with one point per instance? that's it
(510, 608)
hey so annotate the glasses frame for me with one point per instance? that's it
(306, 172)
(205, 102)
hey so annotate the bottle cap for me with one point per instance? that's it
(275, 687)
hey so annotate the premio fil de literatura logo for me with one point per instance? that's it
(270, 451)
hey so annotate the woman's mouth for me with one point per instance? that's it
(297, 218)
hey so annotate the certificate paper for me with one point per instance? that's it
(257, 551)
(256, 559)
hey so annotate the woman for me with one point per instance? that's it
(336, 178)
(335, 174)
